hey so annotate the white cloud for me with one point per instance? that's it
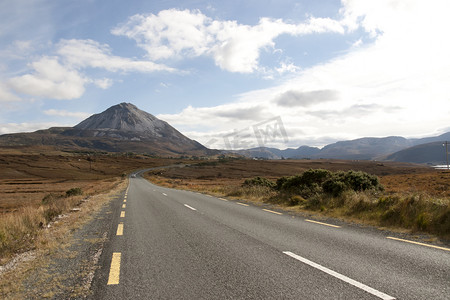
(28, 127)
(65, 113)
(62, 77)
(169, 33)
(396, 85)
(6, 95)
(294, 98)
(89, 53)
(234, 47)
(287, 68)
(17, 50)
(103, 83)
(50, 79)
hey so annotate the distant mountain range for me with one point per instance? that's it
(120, 128)
(125, 128)
(393, 148)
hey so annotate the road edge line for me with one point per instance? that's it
(114, 271)
(417, 243)
(271, 211)
(321, 223)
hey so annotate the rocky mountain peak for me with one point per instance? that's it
(123, 117)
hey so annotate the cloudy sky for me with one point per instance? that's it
(231, 73)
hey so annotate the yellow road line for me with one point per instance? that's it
(271, 211)
(114, 271)
(417, 243)
(222, 199)
(124, 205)
(119, 229)
(122, 214)
(124, 200)
(243, 204)
(317, 222)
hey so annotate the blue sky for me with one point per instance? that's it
(324, 70)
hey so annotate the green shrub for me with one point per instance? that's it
(317, 176)
(317, 181)
(280, 182)
(50, 198)
(309, 178)
(334, 187)
(74, 192)
(361, 181)
(259, 181)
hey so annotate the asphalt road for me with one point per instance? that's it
(171, 244)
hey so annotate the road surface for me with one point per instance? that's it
(171, 244)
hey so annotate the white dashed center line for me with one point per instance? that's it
(190, 207)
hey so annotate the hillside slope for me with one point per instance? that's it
(120, 128)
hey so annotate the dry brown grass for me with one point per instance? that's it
(28, 177)
(50, 242)
(24, 229)
(435, 183)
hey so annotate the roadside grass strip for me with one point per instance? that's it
(417, 243)
(321, 223)
(271, 211)
(114, 271)
(344, 278)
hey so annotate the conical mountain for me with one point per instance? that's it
(120, 128)
(124, 117)
(127, 122)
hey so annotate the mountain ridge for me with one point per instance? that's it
(391, 148)
(120, 128)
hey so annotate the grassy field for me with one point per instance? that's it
(39, 184)
(415, 197)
